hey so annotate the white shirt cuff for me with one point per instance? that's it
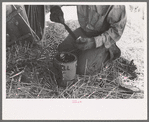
(98, 41)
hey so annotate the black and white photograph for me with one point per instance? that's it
(75, 55)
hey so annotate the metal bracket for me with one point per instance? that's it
(19, 39)
(24, 37)
(14, 13)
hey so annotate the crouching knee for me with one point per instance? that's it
(60, 48)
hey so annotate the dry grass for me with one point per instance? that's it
(30, 72)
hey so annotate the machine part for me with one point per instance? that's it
(14, 13)
(19, 39)
(24, 37)
(17, 29)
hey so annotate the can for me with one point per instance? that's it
(66, 64)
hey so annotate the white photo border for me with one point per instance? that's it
(64, 109)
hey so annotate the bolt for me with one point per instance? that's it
(17, 23)
(8, 38)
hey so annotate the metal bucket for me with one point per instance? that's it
(65, 63)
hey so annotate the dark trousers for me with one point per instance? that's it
(89, 61)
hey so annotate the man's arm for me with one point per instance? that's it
(117, 20)
(57, 14)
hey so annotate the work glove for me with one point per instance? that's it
(85, 43)
(56, 14)
(115, 52)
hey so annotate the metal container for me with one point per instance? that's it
(65, 63)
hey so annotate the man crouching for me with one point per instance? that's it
(101, 26)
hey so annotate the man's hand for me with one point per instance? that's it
(115, 52)
(56, 14)
(85, 43)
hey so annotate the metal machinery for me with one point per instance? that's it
(24, 23)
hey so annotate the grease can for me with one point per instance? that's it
(66, 64)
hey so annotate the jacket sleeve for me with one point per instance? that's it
(117, 20)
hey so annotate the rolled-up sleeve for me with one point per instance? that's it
(117, 20)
